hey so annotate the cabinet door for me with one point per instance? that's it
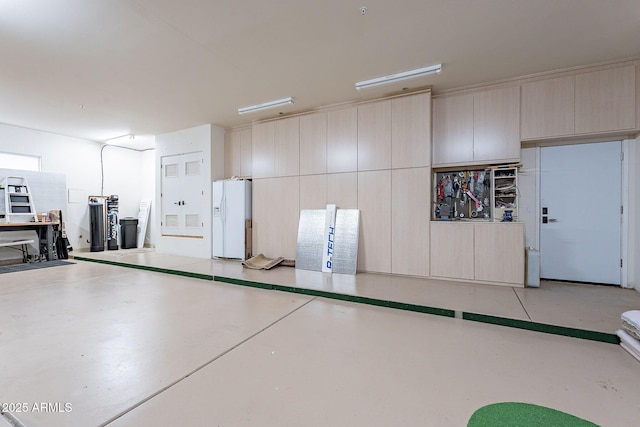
(499, 253)
(374, 202)
(342, 140)
(548, 108)
(496, 125)
(232, 153)
(453, 130)
(313, 144)
(342, 190)
(275, 216)
(411, 131)
(287, 147)
(313, 191)
(374, 136)
(245, 152)
(451, 250)
(605, 100)
(410, 194)
(263, 150)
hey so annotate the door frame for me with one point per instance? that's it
(627, 276)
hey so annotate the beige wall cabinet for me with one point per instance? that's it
(496, 125)
(452, 250)
(342, 190)
(246, 149)
(477, 128)
(287, 147)
(411, 131)
(499, 253)
(313, 144)
(263, 150)
(453, 130)
(605, 100)
(232, 153)
(479, 251)
(586, 103)
(374, 202)
(374, 136)
(313, 191)
(237, 153)
(342, 140)
(548, 108)
(276, 210)
(410, 195)
(372, 157)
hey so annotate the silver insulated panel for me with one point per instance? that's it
(311, 241)
(310, 246)
(345, 253)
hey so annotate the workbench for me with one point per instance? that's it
(45, 231)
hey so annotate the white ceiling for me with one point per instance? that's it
(98, 69)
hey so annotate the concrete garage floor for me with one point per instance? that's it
(105, 345)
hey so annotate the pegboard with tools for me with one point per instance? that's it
(462, 194)
(489, 194)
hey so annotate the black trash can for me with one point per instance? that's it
(128, 233)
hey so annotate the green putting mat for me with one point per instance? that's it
(514, 414)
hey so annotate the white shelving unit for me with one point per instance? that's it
(504, 194)
(18, 201)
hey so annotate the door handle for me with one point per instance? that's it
(553, 220)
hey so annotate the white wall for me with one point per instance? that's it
(79, 161)
(634, 215)
(208, 139)
(528, 211)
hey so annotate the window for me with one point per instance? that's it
(19, 161)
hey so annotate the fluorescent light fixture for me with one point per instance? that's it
(406, 75)
(265, 105)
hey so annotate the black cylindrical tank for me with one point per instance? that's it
(96, 219)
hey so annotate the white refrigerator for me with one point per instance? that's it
(231, 218)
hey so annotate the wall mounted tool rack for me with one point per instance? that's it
(489, 194)
(462, 194)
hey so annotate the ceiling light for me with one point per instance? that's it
(265, 105)
(392, 78)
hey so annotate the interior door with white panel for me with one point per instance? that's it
(580, 230)
(192, 195)
(182, 195)
(170, 189)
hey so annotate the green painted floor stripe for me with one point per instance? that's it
(242, 282)
(543, 327)
(341, 297)
(148, 268)
(484, 318)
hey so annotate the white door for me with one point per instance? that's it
(182, 194)
(580, 194)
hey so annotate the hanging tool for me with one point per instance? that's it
(478, 205)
